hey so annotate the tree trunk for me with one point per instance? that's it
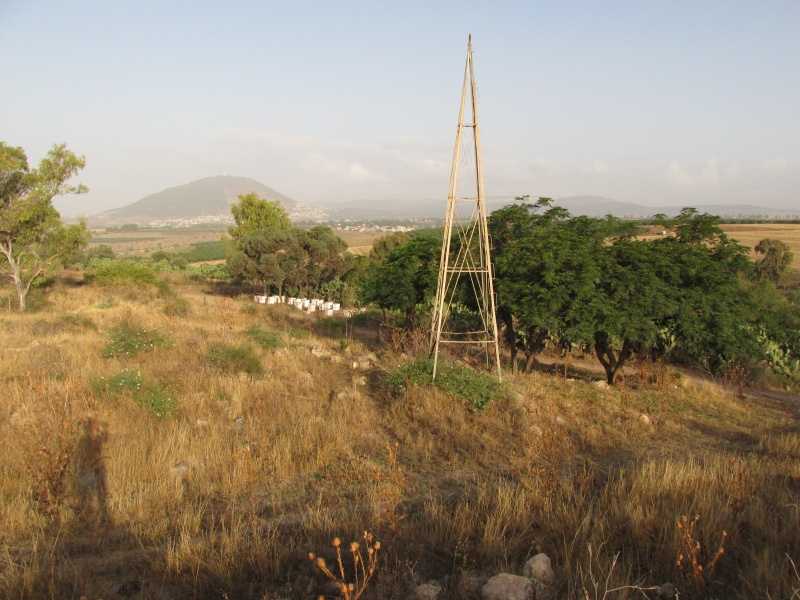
(612, 364)
(511, 337)
(536, 341)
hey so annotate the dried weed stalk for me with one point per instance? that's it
(692, 555)
(390, 483)
(362, 571)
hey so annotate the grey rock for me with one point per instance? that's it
(508, 587)
(561, 422)
(181, 469)
(427, 591)
(539, 568)
(600, 384)
(645, 420)
(540, 591)
(666, 591)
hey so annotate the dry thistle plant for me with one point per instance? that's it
(735, 377)
(390, 485)
(536, 464)
(691, 556)
(362, 571)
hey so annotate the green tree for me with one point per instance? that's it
(252, 213)
(296, 258)
(713, 319)
(775, 259)
(270, 256)
(406, 279)
(32, 238)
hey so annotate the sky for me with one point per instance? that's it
(660, 103)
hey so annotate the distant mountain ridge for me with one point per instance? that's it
(210, 198)
(592, 206)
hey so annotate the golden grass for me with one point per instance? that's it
(230, 495)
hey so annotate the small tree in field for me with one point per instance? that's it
(32, 238)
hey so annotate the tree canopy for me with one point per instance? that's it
(32, 238)
(253, 213)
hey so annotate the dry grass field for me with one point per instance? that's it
(144, 243)
(750, 234)
(357, 242)
(145, 457)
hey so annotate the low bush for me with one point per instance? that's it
(126, 340)
(176, 306)
(150, 394)
(477, 389)
(265, 338)
(234, 358)
(123, 272)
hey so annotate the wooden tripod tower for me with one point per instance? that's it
(465, 248)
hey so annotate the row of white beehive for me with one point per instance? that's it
(308, 305)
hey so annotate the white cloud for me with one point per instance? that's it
(345, 171)
(543, 166)
(597, 168)
(678, 176)
(710, 172)
(776, 166)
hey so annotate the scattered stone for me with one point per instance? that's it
(239, 421)
(540, 591)
(361, 380)
(428, 591)
(600, 384)
(508, 587)
(561, 422)
(181, 469)
(539, 568)
(645, 420)
(666, 591)
(201, 422)
(320, 352)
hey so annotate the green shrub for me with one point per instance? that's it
(177, 307)
(265, 338)
(332, 326)
(234, 359)
(296, 333)
(123, 272)
(476, 388)
(126, 340)
(158, 401)
(64, 323)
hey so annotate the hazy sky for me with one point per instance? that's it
(678, 103)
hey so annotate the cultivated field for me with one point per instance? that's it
(145, 456)
(144, 243)
(750, 235)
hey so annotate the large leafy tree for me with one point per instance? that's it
(252, 213)
(33, 239)
(296, 258)
(714, 316)
(406, 279)
(269, 256)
